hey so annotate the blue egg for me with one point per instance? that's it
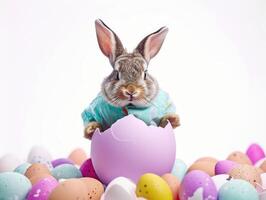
(179, 170)
(66, 171)
(14, 186)
(22, 168)
(237, 189)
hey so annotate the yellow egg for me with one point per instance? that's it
(153, 187)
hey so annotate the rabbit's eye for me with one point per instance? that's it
(117, 75)
(145, 74)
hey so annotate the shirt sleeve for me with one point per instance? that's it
(87, 116)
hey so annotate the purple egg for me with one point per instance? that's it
(42, 189)
(61, 161)
(197, 184)
(224, 166)
(87, 170)
(255, 153)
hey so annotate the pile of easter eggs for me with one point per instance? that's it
(241, 176)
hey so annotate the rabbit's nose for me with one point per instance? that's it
(131, 88)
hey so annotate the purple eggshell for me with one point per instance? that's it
(255, 153)
(195, 180)
(61, 161)
(130, 148)
(87, 169)
(225, 166)
(42, 189)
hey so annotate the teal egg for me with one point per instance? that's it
(238, 190)
(66, 171)
(179, 170)
(14, 186)
(22, 168)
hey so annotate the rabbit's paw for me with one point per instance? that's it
(172, 118)
(90, 128)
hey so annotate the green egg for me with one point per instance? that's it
(14, 186)
(238, 190)
(66, 171)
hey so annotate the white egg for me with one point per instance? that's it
(39, 154)
(120, 188)
(263, 178)
(220, 180)
(263, 195)
(8, 163)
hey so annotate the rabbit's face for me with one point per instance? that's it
(129, 82)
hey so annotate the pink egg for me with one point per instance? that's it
(255, 153)
(224, 166)
(130, 148)
(87, 169)
(42, 189)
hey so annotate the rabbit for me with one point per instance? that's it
(129, 89)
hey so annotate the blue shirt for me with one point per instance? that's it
(106, 114)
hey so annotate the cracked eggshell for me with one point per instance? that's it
(14, 186)
(237, 189)
(42, 189)
(146, 149)
(39, 154)
(197, 185)
(120, 188)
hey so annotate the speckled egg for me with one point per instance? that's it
(13, 186)
(207, 166)
(61, 161)
(78, 156)
(22, 168)
(8, 163)
(151, 186)
(42, 189)
(69, 190)
(238, 190)
(263, 180)
(220, 180)
(173, 183)
(179, 169)
(94, 188)
(239, 157)
(197, 185)
(39, 154)
(66, 171)
(120, 188)
(255, 153)
(246, 172)
(87, 169)
(224, 166)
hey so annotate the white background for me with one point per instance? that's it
(212, 64)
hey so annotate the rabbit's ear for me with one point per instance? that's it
(152, 43)
(108, 41)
